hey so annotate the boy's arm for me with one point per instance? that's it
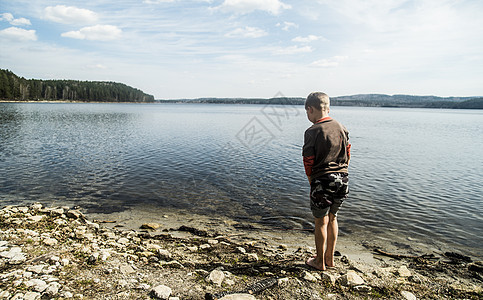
(308, 164)
(308, 153)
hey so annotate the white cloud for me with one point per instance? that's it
(307, 39)
(6, 17)
(329, 63)
(95, 33)
(247, 32)
(247, 6)
(69, 15)
(15, 22)
(293, 50)
(287, 25)
(21, 22)
(18, 34)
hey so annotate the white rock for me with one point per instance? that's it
(308, 276)
(37, 285)
(362, 288)
(241, 250)
(23, 209)
(216, 277)
(123, 241)
(213, 242)
(18, 296)
(52, 289)
(126, 269)
(351, 279)
(193, 249)
(282, 281)
(36, 269)
(408, 295)
(57, 211)
(252, 257)
(164, 254)
(31, 296)
(238, 297)
(161, 292)
(153, 247)
(122, 283)
(15, 256)
(403, 271)
(4, 294)
(205, 246)
(50, 242)
(35, 219)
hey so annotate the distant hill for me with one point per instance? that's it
(13, 87)
(366, 100)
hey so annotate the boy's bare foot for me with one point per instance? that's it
(329, 262)
(312, 262)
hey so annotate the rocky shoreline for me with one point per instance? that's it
(59, 253)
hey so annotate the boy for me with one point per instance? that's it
(326, 155)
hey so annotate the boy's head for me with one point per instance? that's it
(318, 100)
(317, 106)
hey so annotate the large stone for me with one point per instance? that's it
(351, 279)
(31, 296)
(308, 276)
(403, 271)
(161, 292)
(75, 214)
(37, 285)
(164, 254)
(52, 289)
(50, 242)
(150, 226)
(216, 277)
(15, 256)
(408, 295)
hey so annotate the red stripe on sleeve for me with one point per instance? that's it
(308, 164)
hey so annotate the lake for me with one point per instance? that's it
(415, 175)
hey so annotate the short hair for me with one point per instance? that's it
(317, 100)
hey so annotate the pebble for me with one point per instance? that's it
(151, 226)
(31, 296)
(403, 271)
(408, 295)
(252, 257)
(216, 277)
(351, 279)
(161, 292)
(308, 276)
(50, 242)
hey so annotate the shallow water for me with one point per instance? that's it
(415, 173)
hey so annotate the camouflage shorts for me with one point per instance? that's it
(330, 189)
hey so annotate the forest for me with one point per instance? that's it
(15, 88)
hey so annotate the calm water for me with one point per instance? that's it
(416, 174)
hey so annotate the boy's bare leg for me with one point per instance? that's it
(320, 243)
(332, 232)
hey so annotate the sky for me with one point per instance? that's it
(176, 49)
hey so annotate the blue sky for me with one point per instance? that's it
(250, 48)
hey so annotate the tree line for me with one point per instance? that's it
(13, 87)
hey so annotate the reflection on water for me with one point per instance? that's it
(414, 173)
